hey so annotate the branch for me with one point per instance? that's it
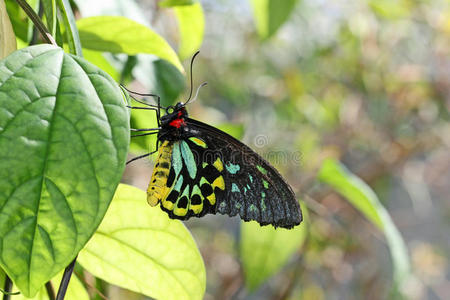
(7, 289)
(50, 290)
(37, 22)
(65, 280)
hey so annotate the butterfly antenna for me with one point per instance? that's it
(192, 63)
(196, 93)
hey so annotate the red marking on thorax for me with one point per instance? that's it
(177, 123)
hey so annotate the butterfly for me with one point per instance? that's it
(202, 170)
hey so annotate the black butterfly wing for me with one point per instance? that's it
(225, 176)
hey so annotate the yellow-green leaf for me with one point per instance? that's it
(265, 250)
(171, 3)
(121, 35)
(270, 15)
(360, 195)
(191, 24)
(75, 290)
(139, 248)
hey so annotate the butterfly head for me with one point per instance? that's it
(175, 116)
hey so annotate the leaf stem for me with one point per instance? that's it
(65, 280)
(37, 22)
(7, 289)
(50, 290)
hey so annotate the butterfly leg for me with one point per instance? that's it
(142, 156)
(143, 134)
(146, 129)
(151, 106)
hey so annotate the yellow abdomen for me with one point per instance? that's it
(157, 189)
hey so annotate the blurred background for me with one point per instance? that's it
(364, 82)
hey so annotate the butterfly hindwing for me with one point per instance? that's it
(211, 172)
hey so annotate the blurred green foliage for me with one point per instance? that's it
(351, 103)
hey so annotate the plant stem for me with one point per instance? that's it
(50, 290)
(65, 280)
(7, 288)
(34, 37)
(37, 22)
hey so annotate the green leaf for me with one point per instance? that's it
(171, 3)
(165, 81)
(265, 250)
(72, 35)
(270, 15)
(122, 35)
(50, 15)
(7, 37)
(362, 197)
(191, 24)
(19, 20)
(100, 61)
(64, 136)
(235, 130)
(390, 9)
(139, 248)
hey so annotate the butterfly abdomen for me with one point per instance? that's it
(157, 189)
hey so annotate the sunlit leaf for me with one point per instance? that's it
(191, 24)
(75, 290)
(170, 3)
(139, 248)
(235, 130)
(390, 9)
(265, 250)
(7, 37)
(121, 35)
(97, 58)
(270, 15)
(360, 195)
(63, 142)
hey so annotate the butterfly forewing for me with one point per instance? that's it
(211, 172)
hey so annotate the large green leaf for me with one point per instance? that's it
(121, 35)
(270, 15)
(360, 195)
(139, 248)
(265, 250)
(191, 24)
(64, 137)
(7, 37)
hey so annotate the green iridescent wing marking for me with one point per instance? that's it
(211, 172)
(193, 183)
